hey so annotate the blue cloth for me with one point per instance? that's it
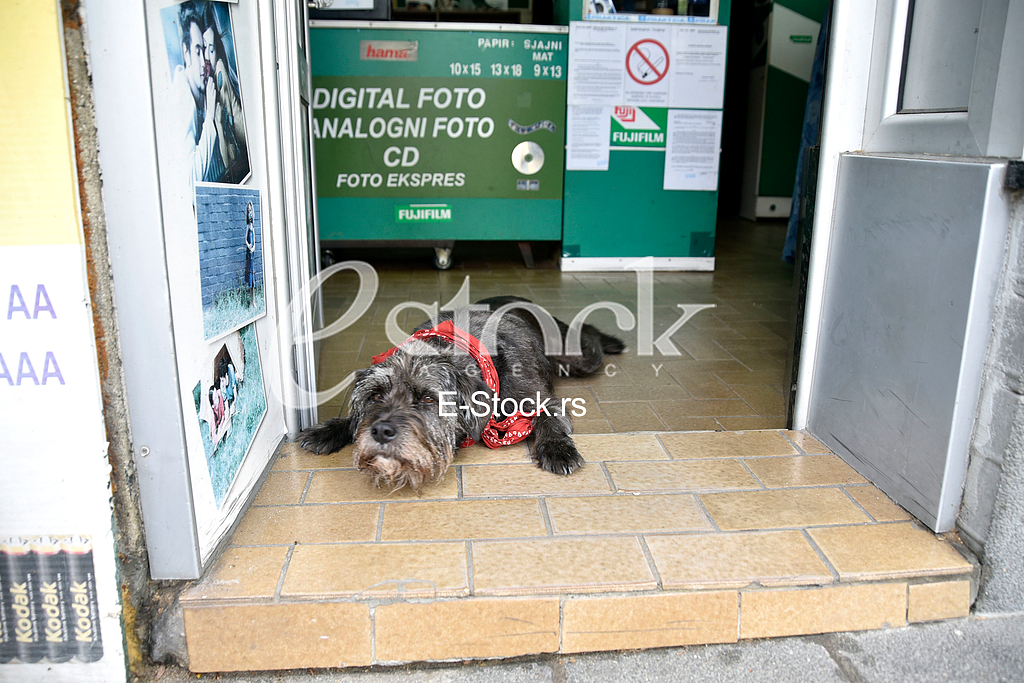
(809, 136)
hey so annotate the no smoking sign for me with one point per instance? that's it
(647, 61)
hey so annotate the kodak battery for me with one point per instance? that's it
(52, 608)
(8, 648)
(20, 589)
(84, 608)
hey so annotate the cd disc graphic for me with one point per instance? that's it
(528, 157)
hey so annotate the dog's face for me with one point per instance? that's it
(401, 435)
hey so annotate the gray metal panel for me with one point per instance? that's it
(131, 196)
(912, 271)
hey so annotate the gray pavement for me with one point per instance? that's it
(965, 650)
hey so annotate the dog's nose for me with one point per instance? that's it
(383, 432)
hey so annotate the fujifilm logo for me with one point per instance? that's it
(389, 50)
(423, 213)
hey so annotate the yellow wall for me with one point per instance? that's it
(37, 178)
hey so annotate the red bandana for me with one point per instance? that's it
(513, 428)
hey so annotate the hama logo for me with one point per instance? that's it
(389, 50)
(423, 213)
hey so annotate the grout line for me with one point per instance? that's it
(380, 522)
(528, 495)
(608, 477)
(797, 447)
(821, 554)
(373, 634)
(546, 516)
(761, 483)
(305, 489)
(585, 536)
(650, 560)
(470, 575)
(458, 483)
(700, 505)
(855, 502)
(284, 571)
(739, 614)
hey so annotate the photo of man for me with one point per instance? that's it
(204, 83)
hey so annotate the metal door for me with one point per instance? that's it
(921, 100)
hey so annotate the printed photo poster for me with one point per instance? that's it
(216, 247)
(229, 225)
(200, 44)
(230, 404)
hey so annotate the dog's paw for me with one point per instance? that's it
(325, 438)
(559, 457)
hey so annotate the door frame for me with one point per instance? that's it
(859, 114)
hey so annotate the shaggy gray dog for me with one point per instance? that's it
(411, 412)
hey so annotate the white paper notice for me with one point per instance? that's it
(596, 63)
(648, 60)
(587, 130)
(698, 67)
(691, 150)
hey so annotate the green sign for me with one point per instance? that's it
(639, 127)
(426, 126)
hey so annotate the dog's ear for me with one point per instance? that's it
(476, 415)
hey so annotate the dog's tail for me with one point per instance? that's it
(610, 344)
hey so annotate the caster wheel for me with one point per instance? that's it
(442, 259)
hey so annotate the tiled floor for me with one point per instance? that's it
(668, 536)
(728, 361)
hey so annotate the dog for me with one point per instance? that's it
(419, 403)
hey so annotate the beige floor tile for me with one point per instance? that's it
(807, 443)
(591, 426)
(687, 424)
(706, 386)
(282, 488)
(307, 524)
(635, 416)
(761, 397)
(749, 423)
(766, 613)
(578, 565)
(726, 445)
(277, 636)
(479, 454)
(517, 480)
(293, 457)
(681, 475)
(882, 551)
(803, 470)
(353, 486)
(364, 570)
(937, 601)
(241, 573)
(620, 447)
(642, 392)
(465, 629)
(878, 504)
(625, 514)
(463, 519)
(770, 558)
(671, 411)
(644, 621)
(705, 349)
(781, 508)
